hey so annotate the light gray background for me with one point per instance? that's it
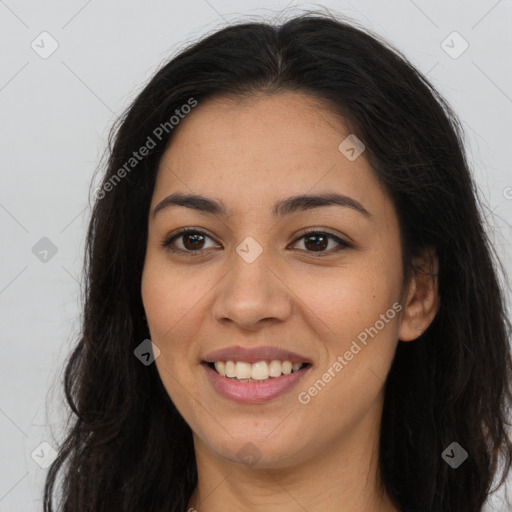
(56, 113)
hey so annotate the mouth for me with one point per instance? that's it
(254, 376)
(257, 372)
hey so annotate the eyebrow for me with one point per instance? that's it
(280, 209)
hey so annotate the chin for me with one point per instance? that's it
(254, 450)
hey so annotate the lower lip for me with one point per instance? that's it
(253, 392)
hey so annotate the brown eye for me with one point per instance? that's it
(318, 241)
(193, 241)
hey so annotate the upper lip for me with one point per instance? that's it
(253, 355)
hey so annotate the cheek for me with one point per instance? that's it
(346, 300)
(172, 302)
(171, 298)
(166, 308)
(357, 307)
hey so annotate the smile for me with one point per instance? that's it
(254, 391)
(260, 371)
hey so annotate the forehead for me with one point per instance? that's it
(253, 150)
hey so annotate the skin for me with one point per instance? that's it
(250, 153)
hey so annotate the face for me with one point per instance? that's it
(316, 283)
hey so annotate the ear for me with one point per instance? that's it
(422, 303)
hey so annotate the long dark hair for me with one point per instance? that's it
(128, 448)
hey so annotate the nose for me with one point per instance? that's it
(252, 295)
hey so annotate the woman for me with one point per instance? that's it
(291, 301)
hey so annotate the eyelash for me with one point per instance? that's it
(169, 239)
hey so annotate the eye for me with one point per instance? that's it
(193, 242)
(319, 240)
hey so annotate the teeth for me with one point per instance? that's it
(230, 369)
(287, 368)
(220, 366)
(275, 368)
(260, 371)
(243, 370)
